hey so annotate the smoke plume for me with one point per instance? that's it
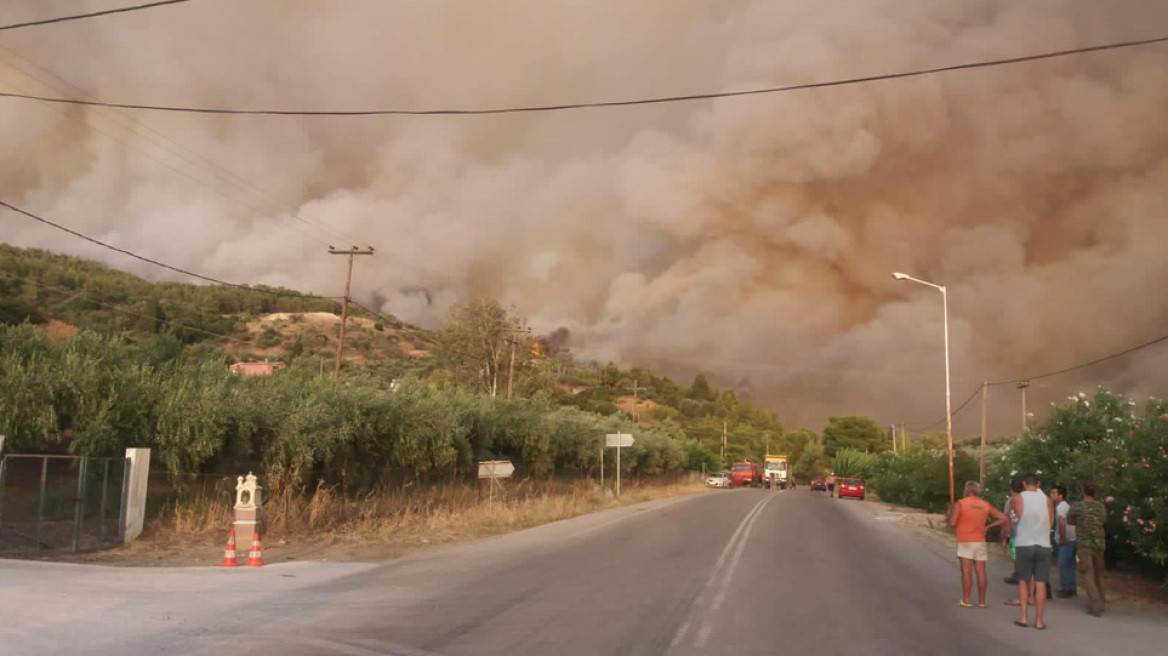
(751, 237)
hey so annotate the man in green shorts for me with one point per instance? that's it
(1035, 513)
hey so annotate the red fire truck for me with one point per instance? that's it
(745, 474)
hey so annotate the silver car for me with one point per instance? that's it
(721, 479)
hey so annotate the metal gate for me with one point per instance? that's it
(50, 502)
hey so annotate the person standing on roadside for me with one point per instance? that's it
(831, 485)
(1065, 534)
(1008, 536)
(969, 516)
(1035, 513)
(1087, 517)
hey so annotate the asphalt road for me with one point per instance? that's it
(742, 571)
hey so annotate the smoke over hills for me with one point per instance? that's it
(749, 237)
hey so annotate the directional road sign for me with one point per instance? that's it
(618, 439)
(496, 469)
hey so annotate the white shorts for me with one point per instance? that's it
(972, 550)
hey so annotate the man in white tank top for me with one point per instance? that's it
(1035, 512)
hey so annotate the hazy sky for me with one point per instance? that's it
(751, 237)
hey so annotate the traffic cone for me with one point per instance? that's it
(254, 558)
(229, 559)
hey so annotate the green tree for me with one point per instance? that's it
(812, 462)
(15, 311)
(855, 432)
(474, 346)
(792, 444)
(700, 390)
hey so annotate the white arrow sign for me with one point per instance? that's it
(496, 469)
(618, 440)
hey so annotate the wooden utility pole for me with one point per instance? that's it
(1022, 386)
(345, 301)
(984, 392)
(636, 408)
(511, 369)
(723, 453)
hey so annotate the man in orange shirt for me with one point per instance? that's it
(969, 516)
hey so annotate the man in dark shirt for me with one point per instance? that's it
(1088, 517)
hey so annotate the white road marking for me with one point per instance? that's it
(726, 564)
(720, 597)
(703, 636)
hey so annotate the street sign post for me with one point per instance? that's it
(618, 440)
(494, 470)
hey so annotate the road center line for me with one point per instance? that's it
(732, 565)
(739, 537)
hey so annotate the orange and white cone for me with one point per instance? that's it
(254, 559)
(229, 559)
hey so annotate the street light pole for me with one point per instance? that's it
(948, 389)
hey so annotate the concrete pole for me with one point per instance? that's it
(134, 492)
(948, 394)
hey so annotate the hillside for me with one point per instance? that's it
(192, 321)
(257, 323)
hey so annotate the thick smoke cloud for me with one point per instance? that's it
(749, 237)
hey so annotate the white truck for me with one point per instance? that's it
(776, 472)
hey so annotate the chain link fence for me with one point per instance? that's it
(56, 503)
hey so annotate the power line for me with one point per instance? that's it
(954, 413)
(196, 158)
(1049, 374)
(92, 14)
(598, 104)
(133, 146)
(148, 260)
(1084, 365)
(118, 308)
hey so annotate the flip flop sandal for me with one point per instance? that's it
(1015, 602)
(1021, 624)
(963, 604)
(982, 606)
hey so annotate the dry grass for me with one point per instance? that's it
(408, 517)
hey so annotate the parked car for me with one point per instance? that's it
(720, 479)
(851, 487)
(818, 483)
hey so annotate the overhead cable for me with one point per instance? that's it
(1084, 365)
(597, 104)
(92, 14)
(275, 292)
(118, 308)
(1049, 374)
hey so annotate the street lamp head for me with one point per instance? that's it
(900, 276)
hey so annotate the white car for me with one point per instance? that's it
(718, 480)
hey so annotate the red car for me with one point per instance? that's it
(744, 474)
(818, 483)
(851, 487)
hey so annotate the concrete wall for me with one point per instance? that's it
(136, 481)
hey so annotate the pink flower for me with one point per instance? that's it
(1109, 499)
(1125, 519)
